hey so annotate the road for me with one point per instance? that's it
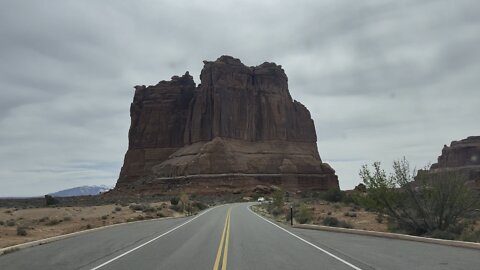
(233, 237)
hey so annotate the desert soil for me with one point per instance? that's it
(46, 222)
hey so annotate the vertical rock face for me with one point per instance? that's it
(462, 157)
(246, 103)
(158, 117)
(240, 127)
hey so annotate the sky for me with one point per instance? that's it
(382, 79)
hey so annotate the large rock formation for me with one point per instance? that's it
(461, 157)
(239, 128)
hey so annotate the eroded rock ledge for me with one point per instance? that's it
(462, 158)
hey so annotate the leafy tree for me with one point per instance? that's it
(423, 206)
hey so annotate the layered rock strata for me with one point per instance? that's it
(461, 157)
(237, 129)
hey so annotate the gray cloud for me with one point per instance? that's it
(382, 79)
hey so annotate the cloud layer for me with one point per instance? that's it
(382, 79)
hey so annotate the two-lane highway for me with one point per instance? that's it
(233, 237)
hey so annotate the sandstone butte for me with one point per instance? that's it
(462, 158)
(236, 131)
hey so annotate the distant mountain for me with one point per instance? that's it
(81, 191)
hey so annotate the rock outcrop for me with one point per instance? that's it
(238, 129)
(462, 157)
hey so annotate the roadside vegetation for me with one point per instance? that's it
(440, 208)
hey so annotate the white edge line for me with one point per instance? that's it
(148, 242)
(309, 243)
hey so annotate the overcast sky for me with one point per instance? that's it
(382, 79)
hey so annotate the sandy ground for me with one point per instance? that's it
(358, 218)
(41, 223)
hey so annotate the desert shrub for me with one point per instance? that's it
(330, 221)
(2, 222)
(425, 206)
(118, 208)
(89, 226)
(50, 200)
(379, 218)
(149, 209)
(333, 195)
(334, 222)
(276, 211)
(470, 236)
(8, 211)
(137, 207)
(67, 218)
(350, 214)
(176, 207)
(53, 222)
(174, 200)
(278, 198)
(10, 223)
(160, 214)
(304, 214)
(345, 224)
(348, 198)
(199, 205)
(443, 235)
(21, 231)
(104, 217)
(43, 219)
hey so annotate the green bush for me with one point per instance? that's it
(432, 205)
(304, 214)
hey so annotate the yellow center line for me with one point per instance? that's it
(224, 239)
(225, 250)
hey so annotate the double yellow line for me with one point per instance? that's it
(223, 244)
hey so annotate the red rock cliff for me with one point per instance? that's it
(240, 127)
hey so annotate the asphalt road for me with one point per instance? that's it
(233, 237)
